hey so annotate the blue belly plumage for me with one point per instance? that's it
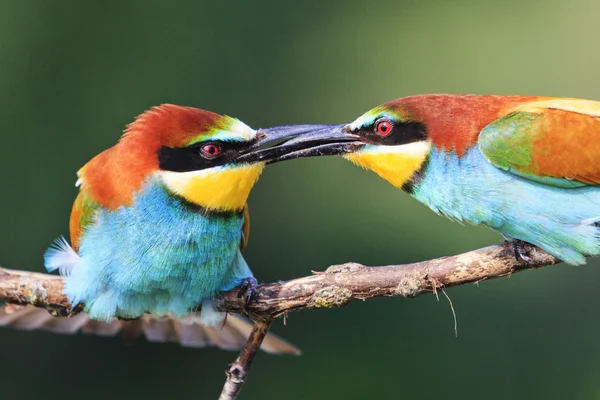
(159, 255)
(560, 220)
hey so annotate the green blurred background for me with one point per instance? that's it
(73, 73)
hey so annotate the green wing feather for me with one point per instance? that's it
(557, 147)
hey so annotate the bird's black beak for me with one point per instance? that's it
(282, 143)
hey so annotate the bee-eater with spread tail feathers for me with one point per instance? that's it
(160, 221)
(527, 167)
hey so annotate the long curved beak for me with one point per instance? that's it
(282, 143)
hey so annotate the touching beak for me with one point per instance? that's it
(282, 143)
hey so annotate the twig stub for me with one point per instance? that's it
(237, 372)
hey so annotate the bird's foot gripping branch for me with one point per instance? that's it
(336, 287)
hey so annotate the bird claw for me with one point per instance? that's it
(248, 290)
(520, 250)
(75, 309)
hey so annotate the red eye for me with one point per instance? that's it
(211, 150)
(384, 128)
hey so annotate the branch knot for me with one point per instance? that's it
(331, 297)
(348, 268)
(410, 285)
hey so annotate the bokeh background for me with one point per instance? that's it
(73, 73)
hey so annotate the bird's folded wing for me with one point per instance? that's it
(245, 228)
(82, 215)
(186, 331)
(555, 142)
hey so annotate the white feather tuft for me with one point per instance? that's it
(209, 315)
(61, 256)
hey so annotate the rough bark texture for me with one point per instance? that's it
(40, 290)
(341, 284)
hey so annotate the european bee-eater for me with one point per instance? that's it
(161, 217)
(527, 167)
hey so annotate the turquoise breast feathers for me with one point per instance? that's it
(159, 255)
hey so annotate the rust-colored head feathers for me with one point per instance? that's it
(454, 121)
(113, 176)
(171, 125)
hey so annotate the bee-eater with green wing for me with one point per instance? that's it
(527, 167)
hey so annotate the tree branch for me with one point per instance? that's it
(238, 370)
(335, 287)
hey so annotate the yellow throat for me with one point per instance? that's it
(395, 164)
(219, 189)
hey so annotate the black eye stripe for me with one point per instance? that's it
(190, 158)
(401, 133)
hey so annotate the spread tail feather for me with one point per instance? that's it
(188, 331)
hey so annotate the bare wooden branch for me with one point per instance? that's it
(335, 287)
(341, 284)
(237, 371)
(40, 290)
